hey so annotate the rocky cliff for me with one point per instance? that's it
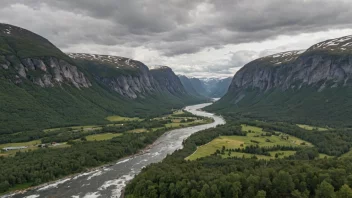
(168, 81)
(129, 78)
(49, 67)
(42, 87)
(324, 65)
(312, 84)
(188, 84)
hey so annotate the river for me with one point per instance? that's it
(109, 181)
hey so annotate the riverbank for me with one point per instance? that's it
(109, 180)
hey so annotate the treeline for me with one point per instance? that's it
(302, 175)
(256, 149)
(45, 165)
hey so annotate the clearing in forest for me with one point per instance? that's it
(255, 136)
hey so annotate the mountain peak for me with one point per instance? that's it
(282, 57)
(160, 67)
(117, 61)
(341, 44)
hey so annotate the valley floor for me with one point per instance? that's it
(226, 146)
(252, 158)
(77, 148)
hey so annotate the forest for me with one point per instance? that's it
(43, 165)
(301, 175)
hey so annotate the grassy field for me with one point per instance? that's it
(253, 134)
(31, 143)
(102, 136)
(13, 152)
(138, 131)
(311, 128)
(75, 128)
(176, 122)
(122, 119)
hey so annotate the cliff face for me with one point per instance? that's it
(188, 85)
(125, 76)
(324, 65)
(168, 81)
(27, 56)
(46, 71)
(304, 86)
(41, 87)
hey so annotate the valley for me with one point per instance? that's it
(110, 180)
(84, 117)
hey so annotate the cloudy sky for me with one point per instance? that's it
(203, 38)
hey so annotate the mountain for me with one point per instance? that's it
(199, 86)
(42, 87)
(125, 76)
(217, 88)
(187, 84)
(193, 86)
(208, 87)
(309, 86)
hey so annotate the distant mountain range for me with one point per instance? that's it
(42, 87)
(208, 87)
(313, 85)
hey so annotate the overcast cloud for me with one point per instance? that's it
(211, 38)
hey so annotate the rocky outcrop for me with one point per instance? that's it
(138, 85)
(48, 72)
(27, 56)
(320, 67)
(129, 78)
(188, 85)
(168, 81)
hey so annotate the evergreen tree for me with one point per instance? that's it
(325, 190)
(261, 194)
(344, 192)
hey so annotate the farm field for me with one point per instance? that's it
(311, 128)
(255, 136)
(30, 143)
(117, 118)
(102, 136)
(62, 135)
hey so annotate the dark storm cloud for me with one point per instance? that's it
(174, 27)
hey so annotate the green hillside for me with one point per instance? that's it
(35, 95)
(329, 107)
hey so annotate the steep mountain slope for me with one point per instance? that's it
(217, 88)
(42, 87)
(188, 85)
(206, 87)
(300, 86)
(194, 85)
(171, 85)
(199, 86)
(125, 76)
(168, 81)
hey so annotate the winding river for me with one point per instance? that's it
(109, 181)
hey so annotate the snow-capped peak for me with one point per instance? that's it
(121, 61)
(342, 43)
